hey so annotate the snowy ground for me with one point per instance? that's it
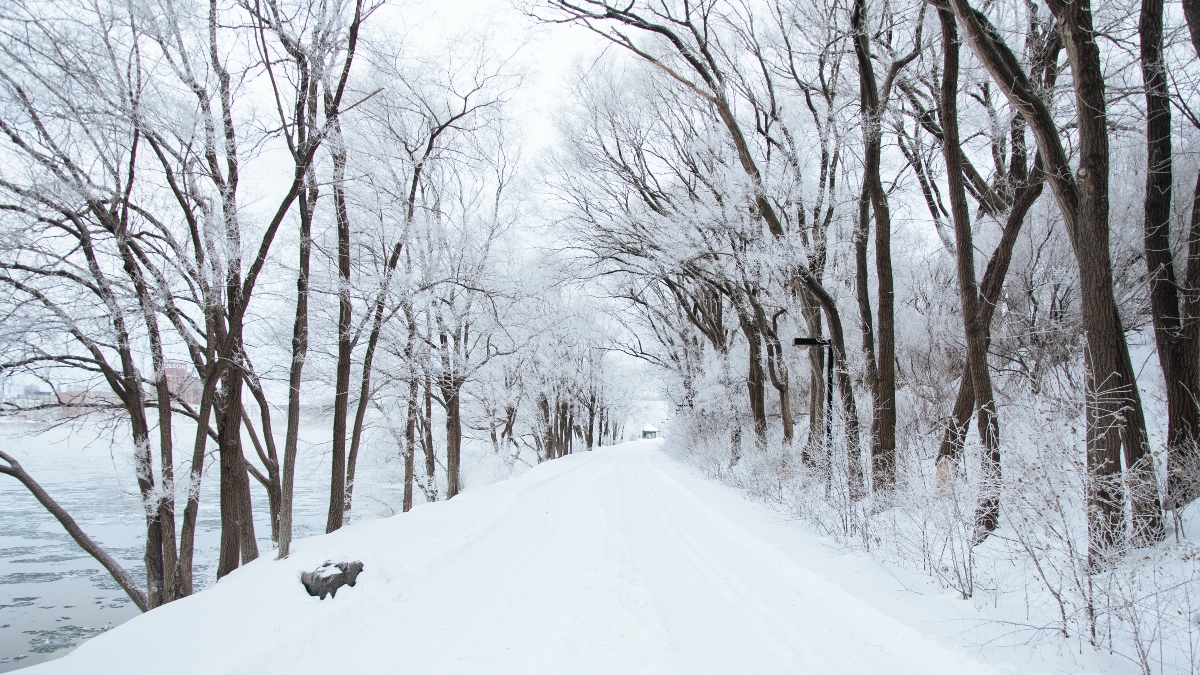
(615, 561)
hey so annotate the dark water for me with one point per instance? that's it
(54, 596)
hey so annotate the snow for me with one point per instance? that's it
(620, 560)
(328, 570)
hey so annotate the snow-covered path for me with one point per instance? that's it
(604, 562)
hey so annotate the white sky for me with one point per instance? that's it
(547, 54)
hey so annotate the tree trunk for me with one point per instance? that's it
(153, 556)
(1115, 403)
(265, 448)
(236, 520)
(987, 515)
(777, 369)
(591, 421)
(166, 509)
(191, 511)
(364, 394)
(855, 476)
(811, 311)
(453, 439)
(883, 421)
(862, 231)
(427, 439)
(341, 394)
(990, 289)
(1178, 352)
(308, 200)
(85, 542)
(1043, 57)
(1115, 421)
(410, 449)
(755, 380)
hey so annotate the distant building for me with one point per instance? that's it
(183, 382)
(649, 432)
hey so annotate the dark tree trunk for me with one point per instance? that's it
(427, 440)
(265, 448)
(1174, 335)
(238, 544)
(591, 421)
(1115, 421)
(1115, 406)
(755, 379)
(1027, 188)
(991, 287)
(814, 447)
(410, 445)
(883, 421)
(341, 394)
(453, 439)
(987, 515)
(166, 508)
(862, 231)
(308, 200)
(191, 511)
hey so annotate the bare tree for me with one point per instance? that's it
(1114, 410)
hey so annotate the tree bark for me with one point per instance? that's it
(755, 379)
(989, 291)
(987, 514)
(191, 511)
(427, 439)
(238, 543)
(1178, 352)
(308, 201)
(341, 393)
(883, 421)
(1115, 421)
(410, 449)
(453, 440)
(811, 312)
(862, 231)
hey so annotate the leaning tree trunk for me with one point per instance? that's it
(991, 287)
(364, 394)
(85, 542)
(191, 511)
(1028, 188)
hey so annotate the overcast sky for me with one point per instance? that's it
(546, 53)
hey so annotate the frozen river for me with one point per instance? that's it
(53, 595)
